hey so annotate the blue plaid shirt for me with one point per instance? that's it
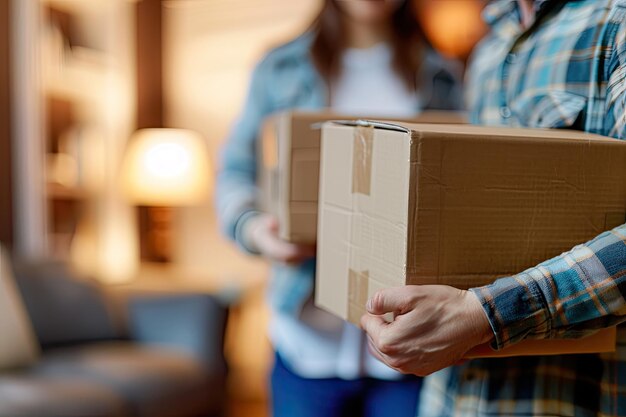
(568, 70)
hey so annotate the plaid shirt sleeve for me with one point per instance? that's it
(569, 296)
(582, 290)
(616, 90)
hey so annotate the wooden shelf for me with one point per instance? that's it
(82, 76)
(62, 192)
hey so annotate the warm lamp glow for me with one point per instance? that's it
(453, 26)
(166, 167)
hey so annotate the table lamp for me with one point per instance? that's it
(162, 169)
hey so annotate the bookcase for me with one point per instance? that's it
(77, 110)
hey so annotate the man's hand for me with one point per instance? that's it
(262, 234)
(434, 326)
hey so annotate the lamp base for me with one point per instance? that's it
(156, 233)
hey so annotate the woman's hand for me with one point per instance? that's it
(262, 234)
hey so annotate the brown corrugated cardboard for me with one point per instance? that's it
(289, 167)
(602, 341)
(458, 205)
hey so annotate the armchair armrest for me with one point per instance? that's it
(192, 323)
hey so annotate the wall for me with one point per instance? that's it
(210, 46)
(6, 212)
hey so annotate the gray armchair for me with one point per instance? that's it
(163, 358)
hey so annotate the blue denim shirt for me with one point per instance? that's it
(287, 79)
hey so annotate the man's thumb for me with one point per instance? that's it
(390, 300)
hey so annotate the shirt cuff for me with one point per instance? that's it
(240, 232)
(516, 309)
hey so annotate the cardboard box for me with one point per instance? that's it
(289, 167)
(458, 205)
(602, 341)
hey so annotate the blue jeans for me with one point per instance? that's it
(294, 396)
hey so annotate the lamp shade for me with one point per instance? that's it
(166, 167)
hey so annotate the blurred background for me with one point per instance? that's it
(78, 80)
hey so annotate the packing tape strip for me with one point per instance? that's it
(362, 159)
(358, 283)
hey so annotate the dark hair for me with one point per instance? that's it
(407, 41)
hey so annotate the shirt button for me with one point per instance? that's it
(505, 112)
(511, 58)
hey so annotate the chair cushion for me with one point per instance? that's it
(31, 395)
(18, 346)
(154, 381)
(64, 307)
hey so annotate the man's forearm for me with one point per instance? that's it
(568, 296)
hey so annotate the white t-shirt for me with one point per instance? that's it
(318, 344)
(368, 85)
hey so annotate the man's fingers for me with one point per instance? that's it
(390, 300)
(373, 326)
(373, 350)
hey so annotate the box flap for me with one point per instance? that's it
(464, 130)
(394, 126)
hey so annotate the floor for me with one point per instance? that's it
(249, 356)
(248, 409)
